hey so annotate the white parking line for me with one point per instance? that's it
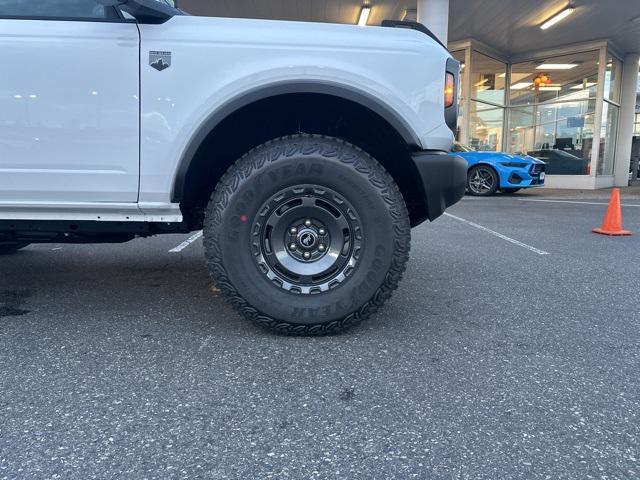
(186, 243)
(574, 201)
(499, 235)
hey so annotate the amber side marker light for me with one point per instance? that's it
(449, 90)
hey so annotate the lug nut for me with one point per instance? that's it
(322, 231)
(292, 246)
(321, 247)
(307, 223)
(307, 255)
(293, 230)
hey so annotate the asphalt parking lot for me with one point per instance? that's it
(493, 360)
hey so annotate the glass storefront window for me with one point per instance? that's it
(555, 120)
(569, 77)
(551, 110)
(612, 79)
(485, 131)
(488, 78)
(521, 131)
(636, 129)
(608, 132)
(560, 134)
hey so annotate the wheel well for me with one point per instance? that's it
(483, 164)
(488, 165)
(294, 113)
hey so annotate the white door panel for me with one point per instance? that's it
(69, 111)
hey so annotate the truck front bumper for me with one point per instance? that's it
(443, 180)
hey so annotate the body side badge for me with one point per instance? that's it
(160, 60)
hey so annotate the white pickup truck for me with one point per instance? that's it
(306, 152)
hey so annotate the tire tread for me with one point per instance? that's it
(307, 145)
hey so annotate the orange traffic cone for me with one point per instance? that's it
(612, 223)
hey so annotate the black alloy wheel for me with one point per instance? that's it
(482, 181)
(307, 239)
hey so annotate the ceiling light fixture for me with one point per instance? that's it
(556, 66)
(364, 16)
(558, 17)
(521, 85)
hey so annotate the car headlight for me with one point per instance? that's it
(513, 164)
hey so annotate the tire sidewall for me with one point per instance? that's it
(345, 170)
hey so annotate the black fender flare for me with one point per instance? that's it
(345, 92)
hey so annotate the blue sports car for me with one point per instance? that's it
(491, 171)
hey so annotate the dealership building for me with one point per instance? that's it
(554, 79)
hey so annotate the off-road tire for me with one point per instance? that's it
(9, 248)
(236, 209)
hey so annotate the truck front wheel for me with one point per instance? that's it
(307, 235)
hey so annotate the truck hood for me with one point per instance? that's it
(303, 34)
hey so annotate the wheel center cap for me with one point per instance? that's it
(307, 239)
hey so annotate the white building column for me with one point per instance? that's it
(434, 14)
(627, 118)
